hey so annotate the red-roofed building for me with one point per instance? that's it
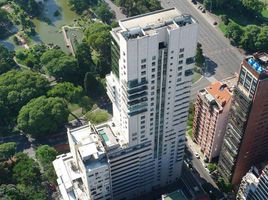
(211, 112)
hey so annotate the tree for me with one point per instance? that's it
(46, 154)
(60, 65)
(6, 59)
(250, 38)
(26, 172)
(67, 91)
(7, 150)
(98, 37)
(234, 31)
(212, 167)
(199, 57)
(262, 40)
(104, 13)
(10, 192)
(4, 22)
(83, 56)
(17, 88)
(92, 86)
(43, 116)
(253, 5)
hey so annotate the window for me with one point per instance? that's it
(124, 53)
(181, 56)
(171, 63)
(189, 60)
(152, 93)
(181, 50)
(153, 76)
(152, 88)
(143, 60)
(152, 81)
(152, 104)
(143, 66)
(143, 79)
(153, 63)
(180, 61)
(172, 51)
(171, 57)
(153, 69)
(143, 117)
(188, 72)
(179, 79)
(143, 122)
(179, 74)
(154, 57)
(142, 127)
(143, 73)
(179, 68)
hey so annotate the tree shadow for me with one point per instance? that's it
(8, 45)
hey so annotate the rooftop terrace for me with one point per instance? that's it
(146, 24)
(258, 62)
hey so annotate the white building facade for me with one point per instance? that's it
(254, 185)
(149, 86)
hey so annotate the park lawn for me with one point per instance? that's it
(222, 27)
(265, 13)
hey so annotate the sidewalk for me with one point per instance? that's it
(195, 148)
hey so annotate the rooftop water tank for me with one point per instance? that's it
(256, 66)
(251, 61)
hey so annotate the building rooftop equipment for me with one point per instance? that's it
(220, 92)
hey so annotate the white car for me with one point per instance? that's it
(197, 156)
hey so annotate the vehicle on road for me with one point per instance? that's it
(188, 163)
(203, 10)
(215, 23)
(197, 155)
(194, 2)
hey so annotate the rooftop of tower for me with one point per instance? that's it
(146, 24)
(257, 64)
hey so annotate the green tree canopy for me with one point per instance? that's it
(67, 91)
(253, 5)
(60, 65)
(199, 57)
(10, 192)
(7, 150)
(84, 59)
(26, 171)
(46, 154)
(17, 88)
(4, 22)
(93, 87)
(136, 7)
(6, 59)
(250, 37)
(98, 37)
(43, 116)
(234, 31)
(104, 13)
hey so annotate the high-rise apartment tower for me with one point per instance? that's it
(142, 148)
(246, 139)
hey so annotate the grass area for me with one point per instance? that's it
(222, 27)
(190, 133)
(73, 107)
(265, 13)
(196, 77)
(97, 116)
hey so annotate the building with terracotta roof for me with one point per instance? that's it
(211, 113)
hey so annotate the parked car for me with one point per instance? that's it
(203, 10)
(215, 23)
(194, 2)
(197, 156)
